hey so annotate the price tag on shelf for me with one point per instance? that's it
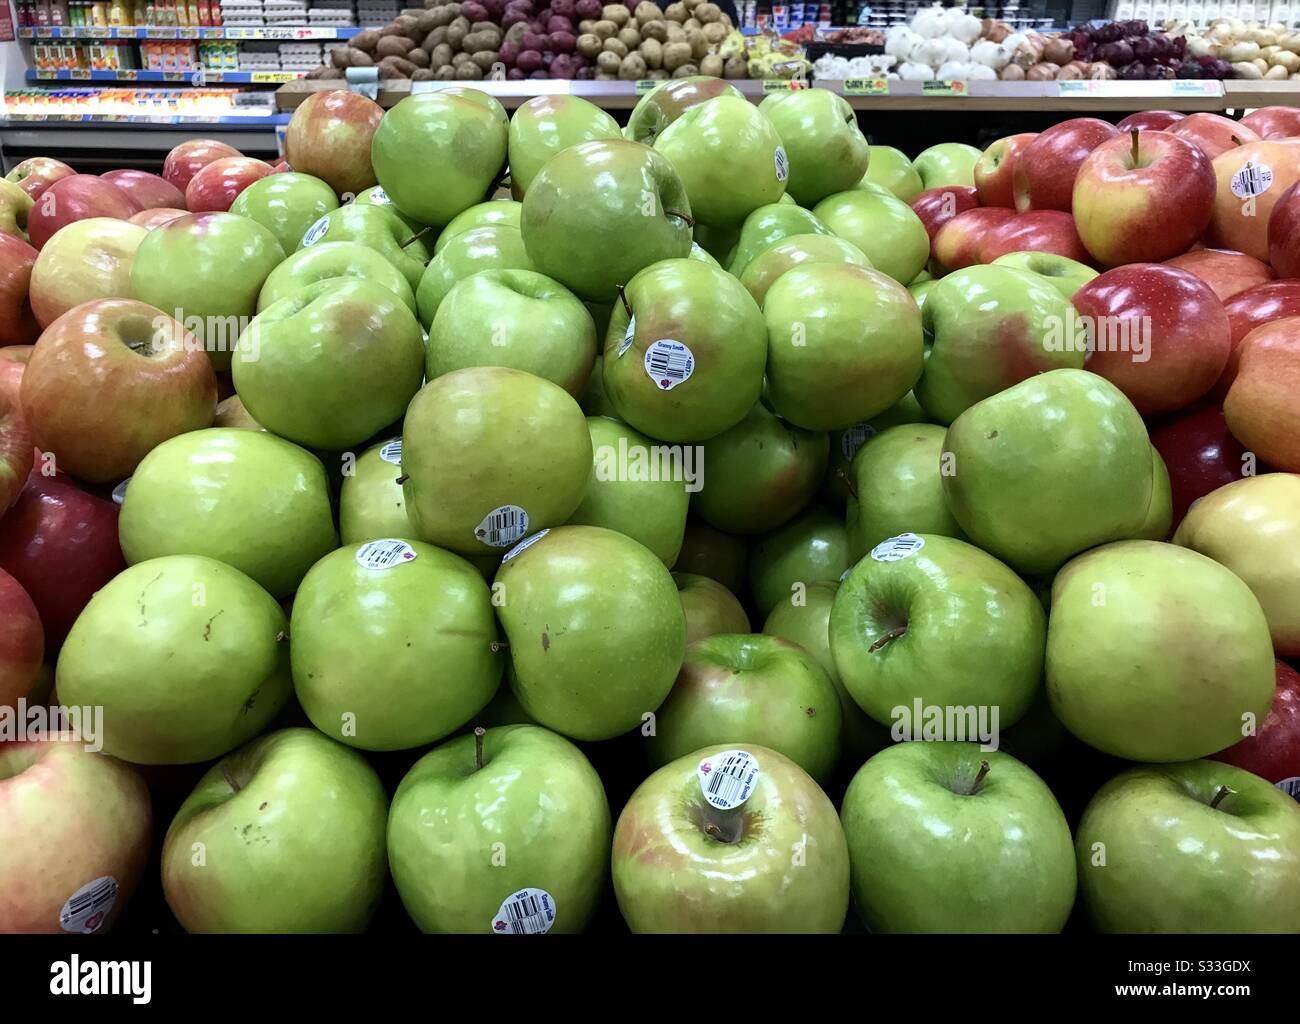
(784, 84)
(866, 87)
(273, 77)
(1195, 87)
(944, 87)
(160, 32)
(645, 85)
(46, 74)
(128, 75)
(212, 33)
(173, 76)
(79, 74)
(187, 33)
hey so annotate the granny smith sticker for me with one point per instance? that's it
(782, 164)
(1253, 179)
(628, 335)
(905, 545)
(315, 232)
(524, 545)
(1291, 787)
(728, 779)
(384, 554)
(392, 451)
(380, 198)
(526, 912)
(669, 363)
(119, 492)
(854, 438)
(503, 526)
(88, 908)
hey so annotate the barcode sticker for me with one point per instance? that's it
(392, 451)
(782, 164)
(669, 363)
(503, 526)
(1291, 787)
(119, 492)
(628, 335)
(379, 197)
(88, 908)
(384, 554)
(315, 232)
(854, 438)
(845, 574)
(727, 779)
(1252, 179)
(526, 912)
(524, 545)
(903, 546)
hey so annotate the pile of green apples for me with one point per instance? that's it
(493, 461)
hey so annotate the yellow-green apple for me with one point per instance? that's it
(769, 224)
(664, 104)
(18, 324)
(712, 553)
(545, 125)
(76, 197)
(1273, 751)
(709, 606)
(504, 833)
(992, 327)
(1159, 520)
(376, 196)
(489, 247)
(110, 381)
(775, 863)
(330, 137)
(56, 795)
(1156, 652)
(15, 212)
(22, 640)
(760, 473)
(88, 259)
(144, 640)
(515, 318)
(187, 159)
(394, 644)
(883, 227)
(743, 688)
(937, 206)
(1250, 181)
(443, 130)
(371, 503)
(331, 365)
(147, 191)
(809, 549)
(35, 174)
(785, 253)
(598, 212)
(1283, 225)
(337, 262)
(1252, 308)
(263, 816)
(729, 158)
(684, 351)
(1213, 134)
(1200, 454)
(491, 455)
(845, 443)
(378, 228)
(480, 98)
(481, 215)
(638, 487)
(1260, 410)
(1252, 526)
(1090, 450)
(891, 169)
(16, 450)
(1150, 120)
(243, 497)
(1045, 170)
(1051, 231)
(150, 219)
(844, 344)
(1158, 333)
(1194, 847)
(994, 171)
(1273, 122)
(217, 185)
(226, 259)
(1064, 274)
(948, 163)
(956, 243)
(288, 204)
(595, 627)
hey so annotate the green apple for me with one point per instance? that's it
(244, 497)
(1196, 847)
(483, 99)
(897, 487)
(729, 157)
(205, 270)
(920, 292)
(593, 399)
(188, 657)
(718, 242)
(1156, 653)
(490, 247)
(394, 644)
(15, 207)
(459, 135)
(750, 689)
(1027, 460)
(600, 211)
(712, 553)
(1067, 276)
(371, 503)
(809, 549)
(514, 318)
(936, 621)
(709, 606)
(505, 833)
(287, 204)
(376, 196)
(545, 125)
(770, 224)
(948, 163)
(760, 473)
(332, 364)
(333, 261)
(491, 455)
(945, 837)
(483, 215)
(664, 104)
(783, 255)
(884, 227)
(845, 444)
(637, 487)
(376, 227)
(775, 863)
(596, 630)
(1160, 510)
(892, 170)
(684, 351)
(701, 254)
(844, 344)
(827, 152)
(291, 828)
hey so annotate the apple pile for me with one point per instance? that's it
(754, 518)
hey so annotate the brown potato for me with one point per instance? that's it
(616, 46)
(658, 75)
(629, 37)
(652, 52)
(422, 75)
(686, 71)
(707, 12)
(516, 31)
(617, 13)
(441, 55)
(676, 34)
(446, 73)
(657, 30)
(469, 72)
(418, 57)
(675, 55)
(735, 67)
(691, 23)
(676, 12)
(443, 15)
(609, 62)
(715, 32)
(647, 11)
(605, 29)
(340, 57)
(324, 72)
(366, 40)
(711, 64)
(395, 67)
(485, 59)
(394, 46)
(407, 25)
(699, 45)
(632, 68)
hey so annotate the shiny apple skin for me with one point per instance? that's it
(148, 191)
(216, 186)
(1150, 120)
(1228, 273)
(937, 206)
(18, 325)
(192, 155)
(1273, 753)
(329, 137)
(1045, 170)
(1252, 308)
(1201, 455)
(1034, 231)
(75, 198)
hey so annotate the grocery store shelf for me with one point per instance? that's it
(194, 77)
(146, 120)
(283, 33)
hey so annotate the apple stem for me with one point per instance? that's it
(622, 297)
(403, 478)
(1218, 797)
(847, 482)
(893, 634)
(416, 237)
(230, 779)
(713, 832)
(1235, 141)
(479, 733)
(498, 645)
(979, 776)
(1134, 134)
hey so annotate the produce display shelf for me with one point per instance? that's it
(146, 120)
(286, 33)
(198, 76)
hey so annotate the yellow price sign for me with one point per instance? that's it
(866, 87)
(272, 77)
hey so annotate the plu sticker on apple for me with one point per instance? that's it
(1253, 179)
(524, 545)
(88, 908)
(392, 451)
(628, 336)
(728, 779)
(526, 912)
(1291, 787)
(315, 232)
(380, 198)
(905, 545)
(854, 438)
(782, 164)
(503, 526)
(384, 554)
(669, 363)
(119, 492)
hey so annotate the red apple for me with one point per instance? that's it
(329, 136)
(185, 161)
(937, 206)
(111, 380)
(1143, 197)
(1161, 334)
(1034, 231)
(1213, 133)
(281, 167)
(1150, 120)
(1201, 455)
(18, 324)
(147, 191)
(956, 244)
(22, 641)
(16, 451)
(61, 544)
(74, 198)
(995, 170)
(216, 186)
(1045, 169)
(1273, 753)
(1283, 234)
(90, 259)
(35, 174)
(1273, 123)
(150, 219)
(11, 376)
(1262, 409)
(1251, 179)
(1249, 309)
(1225, 271)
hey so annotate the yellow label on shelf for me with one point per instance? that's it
(80, 74)
(944, 87)
(784, 84)
(645, 85)
(47, 74)
(273, 77)
(866, 87)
